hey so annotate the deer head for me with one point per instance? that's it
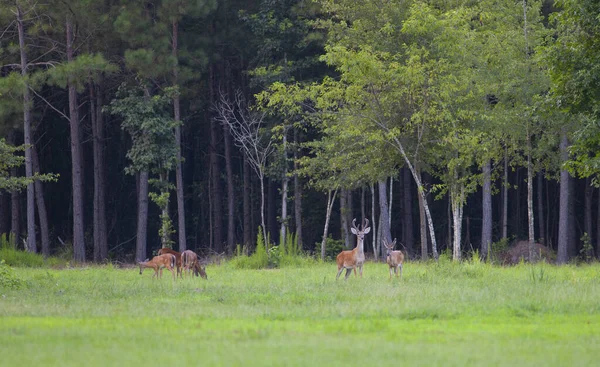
(360, 233)
(389, 247)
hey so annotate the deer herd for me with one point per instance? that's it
(187, 261)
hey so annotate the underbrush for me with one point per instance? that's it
(20, 258)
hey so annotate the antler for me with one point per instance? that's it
(354, 225)
(366, 224)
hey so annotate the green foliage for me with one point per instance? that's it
(258, 260)
(332, 248)
(587, 248)
(18, 258)
(8, 278)
(8, 160)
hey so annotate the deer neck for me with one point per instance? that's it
(360, 250)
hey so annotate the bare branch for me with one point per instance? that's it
(49, 104)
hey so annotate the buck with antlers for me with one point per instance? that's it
(394, 259)
(158, 263)
(355, 258)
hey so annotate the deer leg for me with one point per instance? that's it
(390, 272)
(172, 272)
(401, 266)
(348, 272)
(360, 271)
(340, 269)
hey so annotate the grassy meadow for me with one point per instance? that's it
(468, 314)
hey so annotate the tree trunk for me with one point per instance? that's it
(216, 196)
(15, 200)
(272, 226)
(573, 239)
(4, 214)
(407, 222)
(76, 157)
(587, 217)
(540, 207)
(31, 242)
(344, 226)
(142, 216)
(330, 201)
(100, 234)
(297, 194)
(41, 205)
(390, 202)
(284, 193)
(178, 167)
(230, 190)
(247, 206)
(598, 226)
(530, 219)
(423, 225)
(457, 196)
(486, 225)
(375, 247)
(384, 213)
(262, 210)
(563, 221)
(505, 196)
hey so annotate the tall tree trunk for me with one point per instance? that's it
(262, 210)
(247, 206)
(423, 225)
(76, 157)
(505, 196)
(457, 196)
(344, 225)
(15, 200)
(297, 194)
(598, 226)
(587, 217)
(41, 205)
(230, 190)
(330, 201)
(390, 202)
(563, 221)
(271, 212)
(384, 213)
(407, 222)
(530, 219)
(540, 207)
(31, 242)
(100, 232)
(4, 214)
(142, 216)
(284, 193)
(178, 167)
(374, 221)
(573, 239)
(216, 196)
(486, 225)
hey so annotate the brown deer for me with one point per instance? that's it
(355, 258)
(166, 250)
(189, 262)
(158, 263)
(394, 259)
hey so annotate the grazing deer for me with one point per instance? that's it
(189, 262)
(355, 258)
(158, 263)
(166, 250)
(394, 259)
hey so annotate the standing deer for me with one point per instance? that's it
(158, 263)
(166, 250)
(394, 259)
(189, 262)
(355, 258)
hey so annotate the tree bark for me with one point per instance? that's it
(31, 240)
(284, 193)
(216, 196)
(330, 201)
(344, 225)
(297, 194)
(384, 213)
(76, 161)
(374, 221)
(247, 206)
(540, 207)
(407, 223)
(4, 214)
(457, 197)
(142, 216)
(100, 232)
(563, 221)
(41, 205)
(486, 225)
(587, 215)
(230, 190)
(598, 226)
(178, 167)
(422, 225)
(15, 200)
(530, 219)
(505, 196)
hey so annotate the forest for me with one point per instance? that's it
(455, 126)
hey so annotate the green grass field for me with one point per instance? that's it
(440, 314)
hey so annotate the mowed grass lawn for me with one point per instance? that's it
(440, 314)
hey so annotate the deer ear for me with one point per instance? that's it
(354, 231)
(367, 230)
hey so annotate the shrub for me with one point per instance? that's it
(14, 257)
(8, 278)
